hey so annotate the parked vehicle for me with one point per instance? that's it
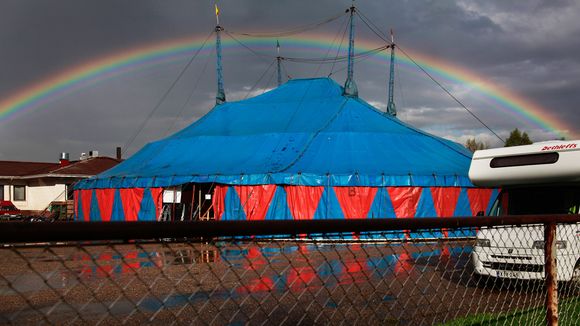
(543, 178)
(7, 209)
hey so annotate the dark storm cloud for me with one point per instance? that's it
(529, 47)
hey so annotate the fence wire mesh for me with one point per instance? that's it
(440, 276)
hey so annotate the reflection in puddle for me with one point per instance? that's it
(261, 269)
(190, 256)
(269, 269)
(111, 265)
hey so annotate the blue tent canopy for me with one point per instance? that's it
(304, 132)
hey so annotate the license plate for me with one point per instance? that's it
(509, 274)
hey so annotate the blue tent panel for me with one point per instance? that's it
(95, 211)
(328, 207)
(147, 211)
(118, 214)
(278, 209)
(426, 208)
(382, 206)
(79, 216)
(234, 211)
(463, 208)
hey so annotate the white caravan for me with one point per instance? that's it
(543, 178)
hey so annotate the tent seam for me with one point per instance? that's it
(313, 137)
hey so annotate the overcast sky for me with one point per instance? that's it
(529, 48)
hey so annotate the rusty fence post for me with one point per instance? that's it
(551, 273)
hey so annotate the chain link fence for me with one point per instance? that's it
(478, 273)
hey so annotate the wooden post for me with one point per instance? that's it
(551, 273)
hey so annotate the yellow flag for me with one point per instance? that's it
(217, 10)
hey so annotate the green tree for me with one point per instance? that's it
(517, 138)
(473, 145)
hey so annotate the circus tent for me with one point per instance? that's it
(303, 150)
(308, 149)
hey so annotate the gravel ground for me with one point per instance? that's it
(250, 283)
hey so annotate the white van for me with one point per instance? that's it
(543, 178)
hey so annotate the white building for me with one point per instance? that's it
(33, 186)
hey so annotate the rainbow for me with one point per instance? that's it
(96, 70)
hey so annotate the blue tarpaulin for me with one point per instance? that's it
(304, 132)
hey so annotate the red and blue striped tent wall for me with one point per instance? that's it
(109, 205)
(276, 202)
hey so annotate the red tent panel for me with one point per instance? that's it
(303, 201)
(86, 196)
(105, 198)
(255, 200)
(131, 198)
(405, 200)
(218, 200)
(479, 199)
(445, 200)
(355, 201)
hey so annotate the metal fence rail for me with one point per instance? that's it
(415, 271)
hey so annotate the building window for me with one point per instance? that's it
(1, 192)
(19, 193)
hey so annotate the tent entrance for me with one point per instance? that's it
(188, 202)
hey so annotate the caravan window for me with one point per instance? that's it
(523, 160)
(537, 200)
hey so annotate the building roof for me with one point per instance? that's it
(90, 166)
(19, 168)
(83, 168)
(305, 132)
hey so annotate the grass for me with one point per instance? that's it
(569, 314)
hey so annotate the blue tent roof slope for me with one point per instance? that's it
(304, 132)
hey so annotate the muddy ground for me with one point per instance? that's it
(231, 283)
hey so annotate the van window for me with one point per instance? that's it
(522, 160)
(537, 200)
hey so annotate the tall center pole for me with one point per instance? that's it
(220, 97)
(350, 88)
(391, 108)
(279, 59)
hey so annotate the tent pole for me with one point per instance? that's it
(192, 201)
(173, 205)
(220, 97)
(391, 108)
(199, 205)
(350, 88)
(208, 210)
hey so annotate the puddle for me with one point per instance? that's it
(263, 268)
(190, 256)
